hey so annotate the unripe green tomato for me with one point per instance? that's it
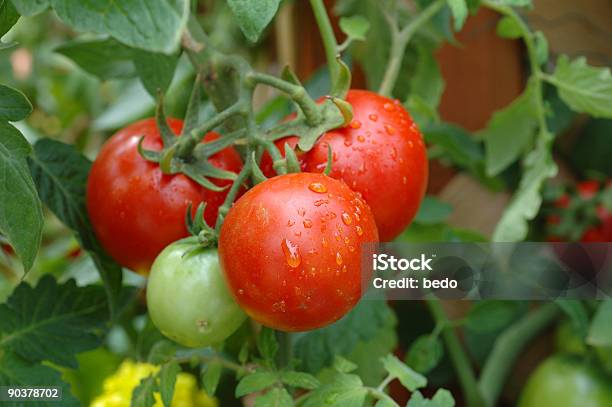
(567, 381)
(187, 297)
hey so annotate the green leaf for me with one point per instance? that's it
(541, 47)
(105, 59)
(253, 17)
(18, 372)
(425, 353)
(509, 27)
(509, 132)
(577, 314)
(343, 365)
(143, 394)
(300, 380)
(407, 377)
(539, 166)
(161, 352)
(155, 25)
(386, 403)
(267, 343)
(21, 217)
(211, 374)
(427, 81)
(14, 106)
(460, 12)
(433, 211)
(584, 88)
(30, 7)
(342, 391)
(442, 398)
(600, 332)
(53, 322)
(490, 316)
(276, 397)
(316, 349)
(255, 382)
(167, 380)
(60, 173)
(154, 70)
(355, 27)
(8, 16)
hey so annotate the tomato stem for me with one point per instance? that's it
(327, 35)
(400, 40)
(457, 354)
(507, 348)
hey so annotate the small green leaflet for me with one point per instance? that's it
(355, 27)
(14, 106)
(460, 12)
(276, 397)
(539, 166)
(584, 88)
(442, 398)
(509, 132)
(253, 16)
(425, 353)
(167, 380)
(299, 380)
(53, 322)
(255, 382)
(433, 211)
(21, 217)
(408, 377)
(344, 390)
(508, 27)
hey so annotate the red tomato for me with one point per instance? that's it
(136, 210)
(599, 232)
(380, 154)
(290, 249)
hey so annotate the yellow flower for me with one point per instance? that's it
(118, 388)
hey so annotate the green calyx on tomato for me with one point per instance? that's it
(567, 381)
(379, 154)
(188, 298)
(290, 249)
(135, 209)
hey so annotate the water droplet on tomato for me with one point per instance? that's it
(290, 222)
(389, 107)
(347, 142)
(355, 124)
(240, 291)
(292, 253)
(320, 202)
(373, 117)
(360, 138)
(347, 240)
(324, 242)
(389, 129)
(359, 230)
(307, 223)
(351, 249)
(410, 144)
(338, 258)
(279, 306)
(318, 187)
(404, 180)
(346, 218)
(301, 211)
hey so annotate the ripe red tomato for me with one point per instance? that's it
(136, 210)
(290, 250)
(380, 154)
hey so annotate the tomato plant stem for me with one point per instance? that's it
(507, 348)
(458, 356)
(285, 348)
(328, 37)
(399, 42)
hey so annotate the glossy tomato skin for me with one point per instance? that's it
(290, 250)
(187, 296)
(380, 154)
(567, 381)
(136, 210)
